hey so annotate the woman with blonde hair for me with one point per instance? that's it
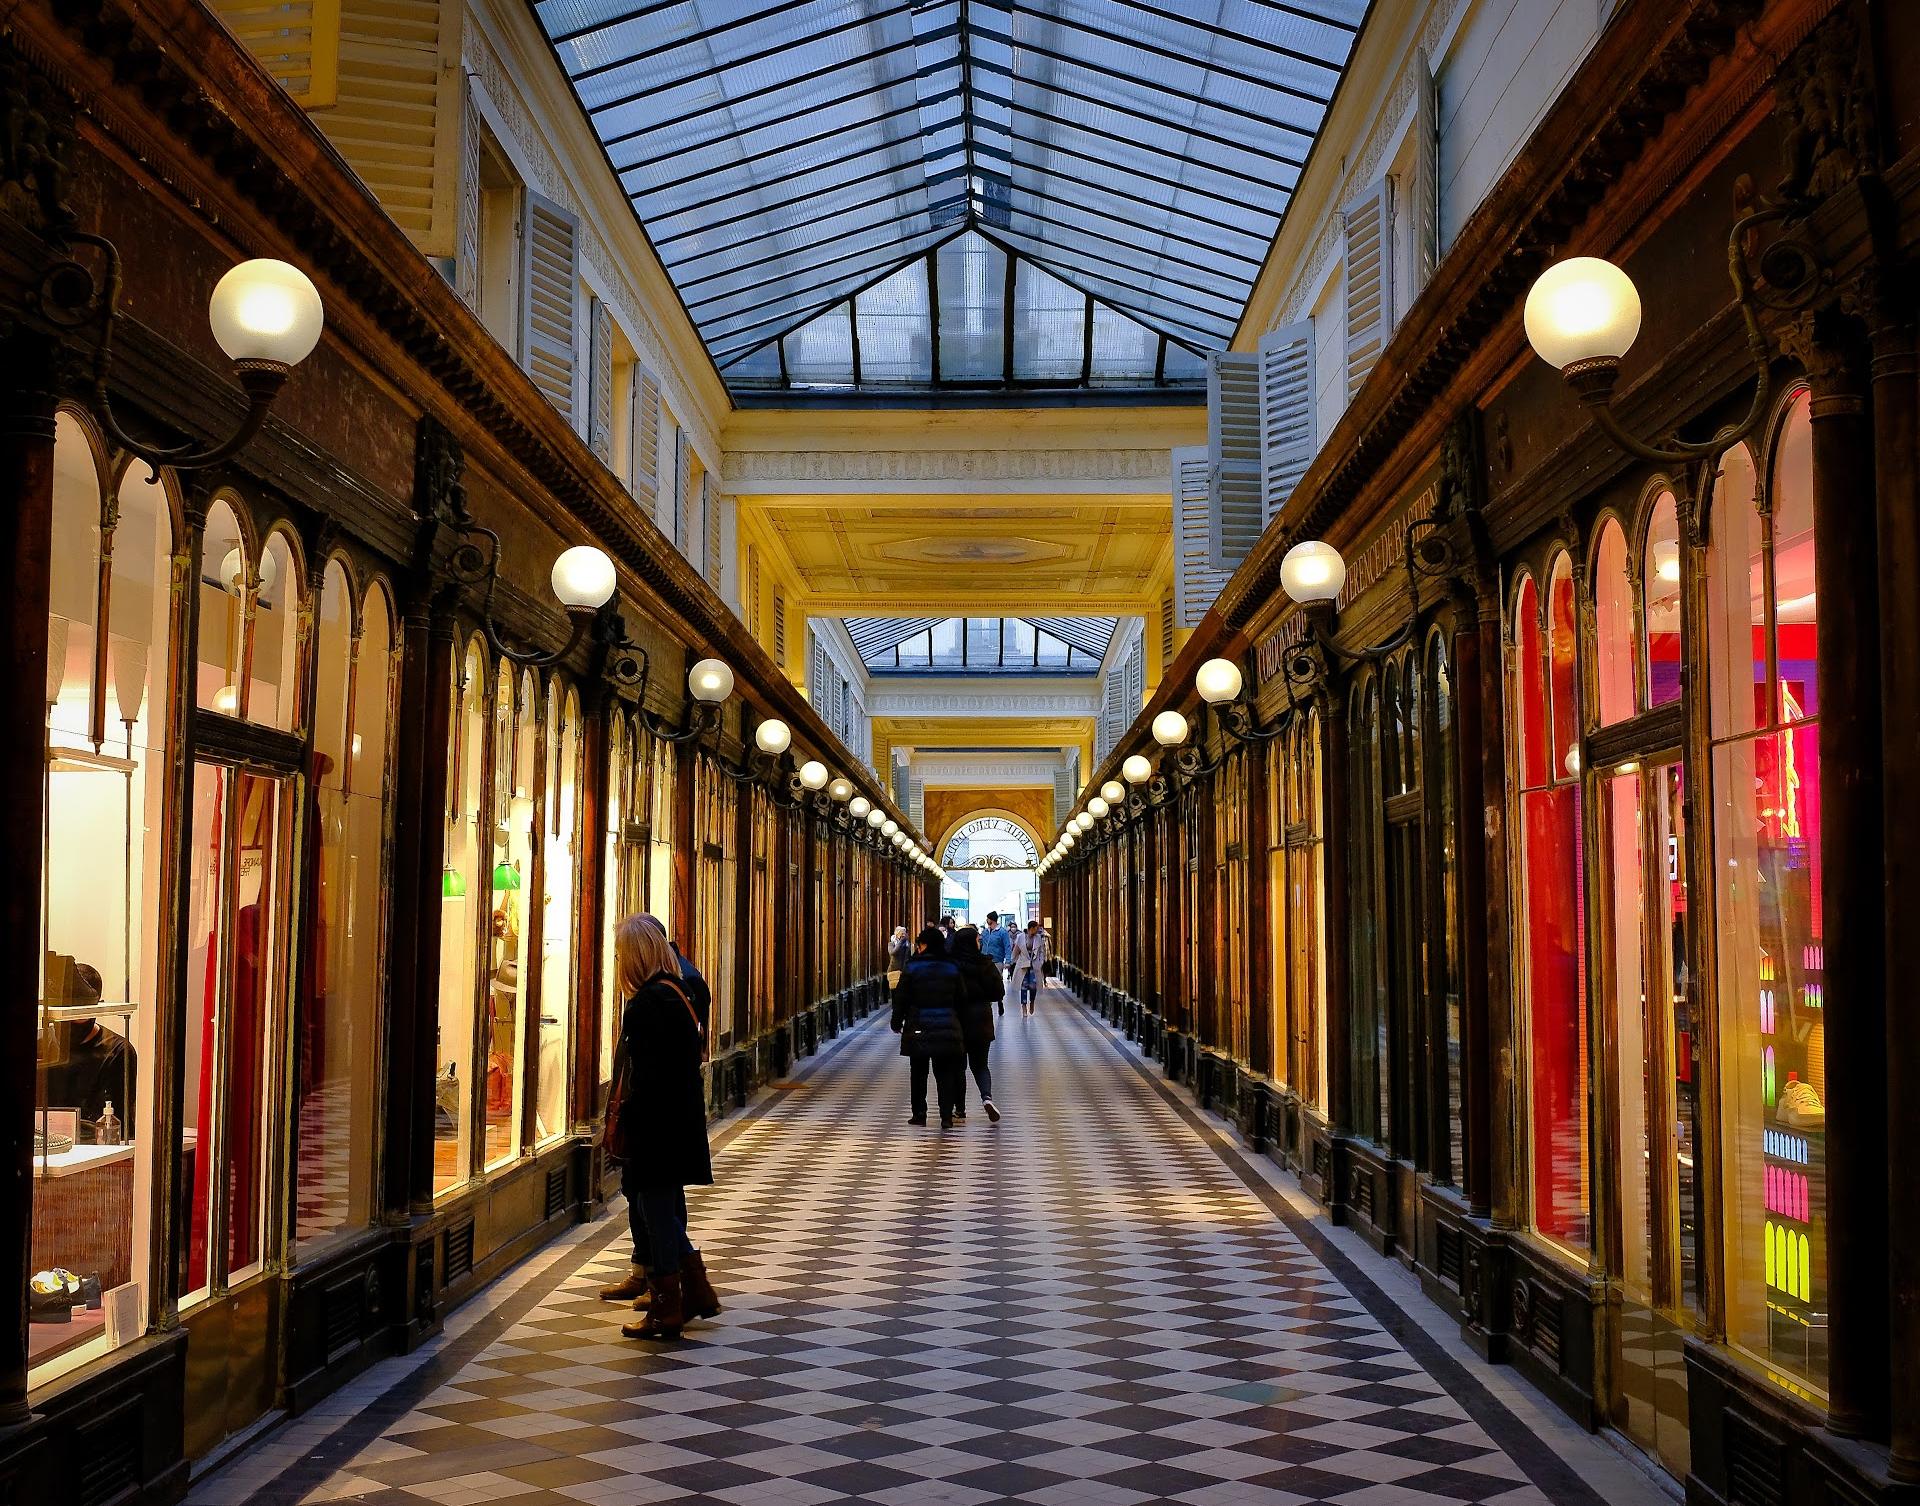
(658, 1127)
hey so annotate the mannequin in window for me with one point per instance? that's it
(89, 1066)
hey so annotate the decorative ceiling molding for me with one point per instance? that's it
(965, 772)
(749, 471)
(894, 697)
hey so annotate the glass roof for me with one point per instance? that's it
(785, 155)
(982, 645)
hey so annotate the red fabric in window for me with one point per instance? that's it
(1557, 1023)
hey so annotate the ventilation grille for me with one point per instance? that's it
(345, 1307)
(1756, 1467)
(1448, 1255)
(109, 1453)
(780, 630)
(1322, 1160)
(458, 1258)
(556, 1190)
(1362, 1198)
(1546, 1326)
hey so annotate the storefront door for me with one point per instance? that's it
(233, 1189)
(1644, 840)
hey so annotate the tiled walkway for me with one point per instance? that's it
(1086, 1303)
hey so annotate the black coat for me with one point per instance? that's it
(664, 1111)
(927, 1007)
(986, 987)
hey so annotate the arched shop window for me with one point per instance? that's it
(111, 659)
(1762, 626)
(1551, 938)
(559, 944)
(1660, 571)
(1617, 650)
(1367, 978)
(342, 972)
(463, 921)
(516, 742)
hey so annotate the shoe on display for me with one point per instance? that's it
(1800, 1106)
(992, 1112)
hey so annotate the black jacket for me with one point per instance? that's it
(986, 987)
(664, 1111)
(927, 1007)
(697, 990)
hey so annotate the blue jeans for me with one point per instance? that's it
(657, 1219)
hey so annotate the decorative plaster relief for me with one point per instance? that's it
(745, 467)
(937, 549)
(1011, 701)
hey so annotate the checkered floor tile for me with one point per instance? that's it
(1082, 1304)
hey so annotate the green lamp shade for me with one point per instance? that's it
(505, 877)
(452, 885)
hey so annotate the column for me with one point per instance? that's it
(1851, 889)
(26, 495)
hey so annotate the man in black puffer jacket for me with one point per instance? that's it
(985, 989)
(926, 1012)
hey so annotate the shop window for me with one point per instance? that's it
(1661, 572)
(559, 951)
(1367, 974)
(225, 574)
(107, 740)
(1549, 897)
(1443, 934)
(516, 734)
(463, 915)
(761, 918)
(273, 658)
(1615, 646)
(342, 977)
(1763, 637)
(1230, 902)
(1296, 912)
(660, 771)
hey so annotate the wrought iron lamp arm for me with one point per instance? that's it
(70, 294)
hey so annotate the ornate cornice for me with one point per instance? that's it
(1012, 700)
(743, 469)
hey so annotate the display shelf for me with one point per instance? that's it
(66, 1014)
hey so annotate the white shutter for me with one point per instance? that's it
(1369, 234)
(1063, 793)
(1195, 580)
(710, 551)
(1424, 193)
(1114, 717)
(645, 447)
(396, 115)
(1136, 681)
(600, 380)
(550, 306)
(682, 492)
(297, 41)
(917, 799)
(466, 233)
(1286, 414)
(1233, 457)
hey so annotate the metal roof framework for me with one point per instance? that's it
(790, 159)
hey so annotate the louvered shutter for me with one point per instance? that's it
(550, 298)
(780, 630)
(1113, 714)
(1369, 235)
(396, 118)
(600, 380)
(1136, 682)
(1062, 796)
(1286, 413)
(645, 449)
(710, 544)
(1424, 192)
(298, 43)
(1166, 632)
(1195, 580)
(466, 235)
(750, 603)
(682, 492)
(917, 799)
(1233, 457)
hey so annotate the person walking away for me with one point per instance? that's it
(662, 1111)
(985, 987)
(1030, 955)
(996, 942)
(926, 1014)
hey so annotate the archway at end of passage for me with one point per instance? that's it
(989, 859)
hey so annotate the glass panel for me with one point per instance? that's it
(340, 986)
(1021, 641)
(93, 1169)
(558, 948)
(896, 343)
(1736, 599)
(516, 743)
(1446, 839)
(660, 857)
(1049, 327)
(1369, 983)
(273, 669)
(946, 652)
(1793, 574)
(1662, 576)
(1563, 670)
(1556, 1011)
(820, 353)
(1626, 983)
(1615, 651)
(983, 643)
(973, 279)
(223, 616)
(613, 904)
(462, 895)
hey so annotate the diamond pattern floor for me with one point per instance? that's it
(1083, 1304)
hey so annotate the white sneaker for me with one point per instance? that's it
(992, 1112)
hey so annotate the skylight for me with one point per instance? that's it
(982, 645)
(786, 156)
